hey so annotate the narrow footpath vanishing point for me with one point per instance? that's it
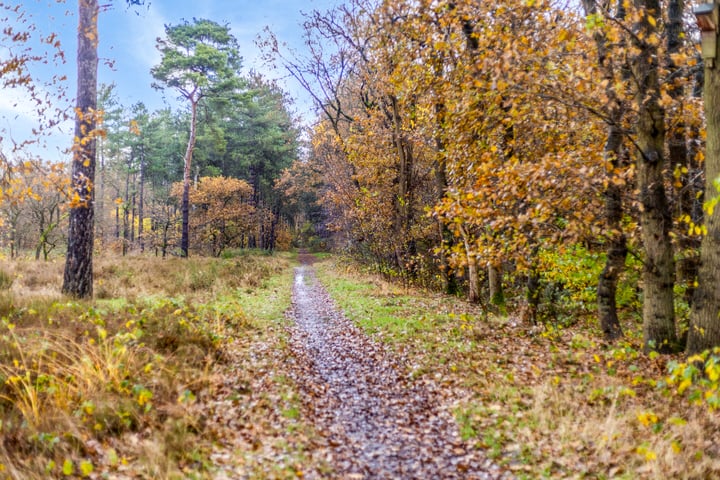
(377, 424)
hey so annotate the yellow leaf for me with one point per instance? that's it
(86, 468)
(684, 385)
(647, 418)
(695, 358)
(713, 372)
(68, 467)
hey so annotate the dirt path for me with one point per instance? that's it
(376, 424)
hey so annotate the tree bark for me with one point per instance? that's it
(126, 208)
(404, 199)
(495, 276)
(445, 237)
(141, 200)
(616, 246)
(78, 276)
(185, 240)
(704, 330)
(655, 218)
(680, 161)
(473, 274)
(614, 265)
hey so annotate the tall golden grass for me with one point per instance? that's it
(88, 387)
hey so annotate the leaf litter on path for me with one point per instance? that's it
(373, 421)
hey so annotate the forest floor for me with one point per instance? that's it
(375, 421)
(254, 367)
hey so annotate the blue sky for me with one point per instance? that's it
(127, 47)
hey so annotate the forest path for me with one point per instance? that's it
(376, 423)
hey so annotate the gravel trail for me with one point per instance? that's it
(376, 423)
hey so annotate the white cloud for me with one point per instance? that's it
(142, 25)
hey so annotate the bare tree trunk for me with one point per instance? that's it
(78, 276)
(495, 276)
(655, 218)
(616, 243)
(126, 209)
(117, 222)
(141, 200)
(704, 330)
(404, 201)
(185, 240)
(447, 277)
(473, 274)
(615, 262)
(100, 196)
(133, 211)
(446, 240)
(681, 163)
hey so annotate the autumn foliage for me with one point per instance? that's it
(222, 213)
(458, 141)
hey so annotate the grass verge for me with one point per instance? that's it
(173, 371)
(547, 403)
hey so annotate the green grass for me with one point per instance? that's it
(553, 402)
(268, 302)
(384, 310)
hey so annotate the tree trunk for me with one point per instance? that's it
(448, 281)
(38, 248)
(692, 200)
(533, 294)
(495, 276)
(680, 161)
(117, 222)
(617, 243)
(473, 276)
(100, 203)
(126, 209)
(704, 330)
(78, 276)
(403, 202)
(141, 200)
(445, 237)
(655, 218)
(133, 199)
(473, 279)
(185, 240)
(614, 264)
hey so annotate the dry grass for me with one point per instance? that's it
(113, 385)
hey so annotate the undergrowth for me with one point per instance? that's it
(552, 401)
(119, 385)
